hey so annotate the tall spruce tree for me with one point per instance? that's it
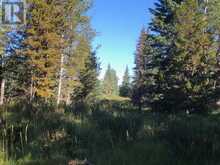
(87, 78)
(162, 26)
(155, 45)
(43, 45)
(139, 55)
(179, 56)
(139, 69)
(145, 71)
(163, 34)
(192, 69)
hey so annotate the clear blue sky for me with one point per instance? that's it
(118, 23)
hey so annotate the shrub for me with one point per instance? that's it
(193, 137)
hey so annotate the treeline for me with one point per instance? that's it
(50, 57)
(177, 57)
(109, 85)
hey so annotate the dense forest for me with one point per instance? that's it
(55, 110)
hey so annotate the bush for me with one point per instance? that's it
(122, 127)
(193, 137)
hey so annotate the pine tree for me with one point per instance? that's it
(144, 79)
(110, 82)
(179, 57)
(87, 78)
(78, 35)
(18, 75)
(46, 59)
(152, 54)
(139, 69)
(163, 32)
(139, 55)
(186, 75)
(193, 65)
(163, 26)
(43, 45)
(125, 88)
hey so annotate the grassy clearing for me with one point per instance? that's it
(109, 134)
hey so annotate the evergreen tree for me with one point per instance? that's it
(153, 52)
(139, 55)
(192, 69)
(43, 45)
(179, 67)
(87, 78)
(162, 26)
(139, 69)
(110, 82)
(78, 35)
(145, 74)
(162, 44)
(18, 77)
(125, 88)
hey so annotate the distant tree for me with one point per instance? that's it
(125, 88)
(88, 79)
(110, 82)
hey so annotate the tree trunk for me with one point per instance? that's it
(2, 97)
(32, 89)
(68, 99)
(60, 80)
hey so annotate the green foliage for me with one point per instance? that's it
(176, 60)
(43, 45)
(193, 64)
(195, 137)
(88, 79)
(54, 31)
(107, 128)
(125, 88)
(145, 71)
(110, 82)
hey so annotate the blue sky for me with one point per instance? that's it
(118, 23)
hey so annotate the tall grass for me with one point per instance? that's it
(109, 134)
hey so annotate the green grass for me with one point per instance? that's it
(114, 98)
(110, 134)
